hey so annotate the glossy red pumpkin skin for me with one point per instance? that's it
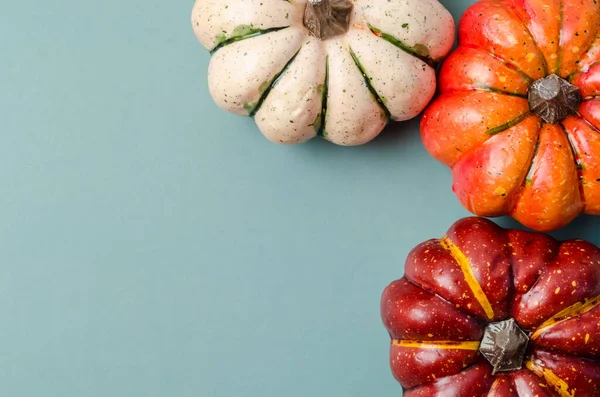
(505, 159)
(480, 273)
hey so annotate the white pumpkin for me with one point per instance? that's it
(337, 68)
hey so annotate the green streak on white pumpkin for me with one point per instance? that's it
(372, 90)
(418, 50)
(323, 89)
(318, 123)
(266, 87)
(249, 106)
(242, 32)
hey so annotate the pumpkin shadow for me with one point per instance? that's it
(400, 133)
(583, 227)
(397, 140)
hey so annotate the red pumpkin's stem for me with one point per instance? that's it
(504, 345)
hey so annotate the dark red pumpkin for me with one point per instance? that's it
(518, 115)
(523, 301)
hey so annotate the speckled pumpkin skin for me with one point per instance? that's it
(506, 161)
(265, 64)
(480, 273)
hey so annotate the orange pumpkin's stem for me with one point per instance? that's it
(554, 98)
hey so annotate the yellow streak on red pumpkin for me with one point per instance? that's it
(464, 264)
(561, 387)
(570, 312)
(439, 344)
(496, 386)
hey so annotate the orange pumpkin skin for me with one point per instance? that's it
(505, 159)
(478, 274)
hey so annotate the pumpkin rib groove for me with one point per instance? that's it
(565, 385)
(438, 344)
(583, 58)
(578, 356)
(406, 48)
(527, 179)
(547, 218)
(554, 253)
(526, 174)
(578, 165)
(583, 66)
(274, 82)
(251, 34)
(506, 126)
(499, 59)
(494, 393)
(581, 132)
(571, 76)
(513, 376)
(569, 313)
(592, 126)
(430, 125)
(372, 89)
(465, 266)
(487, 392)
(467, 368)
(560, 386)
(512, 288)
(539, 276)
(448, 76)
(559, 52)
(537, 46)
(321, 131)
(489, 191)
(494, 90)
(480, 320)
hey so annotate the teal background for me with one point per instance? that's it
(154, 245)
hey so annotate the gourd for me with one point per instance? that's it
(340, 69)
(518, 116)
(491, 312)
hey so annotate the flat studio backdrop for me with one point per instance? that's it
(154, 245)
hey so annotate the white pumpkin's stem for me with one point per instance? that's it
(325, 19)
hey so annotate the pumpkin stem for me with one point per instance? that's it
(554, 98)
(504, 345)
(325, 19)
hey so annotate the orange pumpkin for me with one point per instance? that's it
(518, 112)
